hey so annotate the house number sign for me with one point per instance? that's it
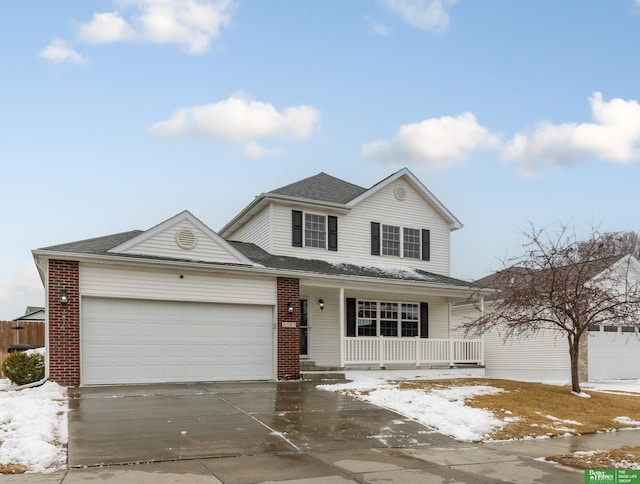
(288, 325)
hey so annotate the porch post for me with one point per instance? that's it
(381, 350)
(482, 336)
(451, 351)
(342, 328)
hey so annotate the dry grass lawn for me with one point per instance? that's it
(539, 410)
(12, 469)
(622, 458)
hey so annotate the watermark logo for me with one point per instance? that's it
(612, 476)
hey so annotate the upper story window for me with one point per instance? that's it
(390, 240)
(314, 230)
(411, 243)
(398, 241)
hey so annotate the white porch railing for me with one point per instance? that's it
(365, 350)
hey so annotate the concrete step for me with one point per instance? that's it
(322, 375)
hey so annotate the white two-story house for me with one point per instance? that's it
(320, 270)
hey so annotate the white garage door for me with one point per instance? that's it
(613, 355)
(132, 341)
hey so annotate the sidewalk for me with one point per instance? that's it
(515, 461)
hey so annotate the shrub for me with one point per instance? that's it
(22, 368)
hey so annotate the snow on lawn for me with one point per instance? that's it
(33, 426)
(442, 409)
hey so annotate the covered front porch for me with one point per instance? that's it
(390, 325)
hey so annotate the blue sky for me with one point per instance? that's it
(116, 115)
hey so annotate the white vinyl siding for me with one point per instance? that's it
(164, 245)
(544, 357)
(257, 231)
(354, 231)
(166, 284)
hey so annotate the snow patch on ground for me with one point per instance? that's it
(33, 427)
(442, 409)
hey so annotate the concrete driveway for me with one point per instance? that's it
(117, 425)
(259, 432)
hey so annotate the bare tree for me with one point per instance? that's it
(564, 284)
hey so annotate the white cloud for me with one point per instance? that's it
(436, 143)
(423, 14)
(613, 136)
(378, 27)
(105, 28)
(254, 150)
(239, 120)
(24, 286)
(193, 24)
(59, 51)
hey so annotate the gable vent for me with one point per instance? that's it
(186, 239)
(400, 192)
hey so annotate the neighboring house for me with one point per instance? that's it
(32, 313)
(608, 352)
(320, 270)
(25, 329)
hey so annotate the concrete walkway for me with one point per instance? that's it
(283, 432)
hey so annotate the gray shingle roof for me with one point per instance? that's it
(322, 187)
(95, 246)
(260, 256)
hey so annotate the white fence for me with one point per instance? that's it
(419, 351)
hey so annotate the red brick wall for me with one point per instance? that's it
(64, 323)
(288, 338)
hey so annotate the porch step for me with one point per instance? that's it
(322, 375)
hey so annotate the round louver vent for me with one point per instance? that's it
(400, 192)
(186, 239)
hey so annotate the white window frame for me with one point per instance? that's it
(384, 251)
(305, 230)
(379, 304)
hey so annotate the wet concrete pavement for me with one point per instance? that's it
(282, 432)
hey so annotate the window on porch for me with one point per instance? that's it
(388, 319)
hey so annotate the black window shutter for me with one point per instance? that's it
(351, 317)
(426, 244)
(424, 320)
(375, 238)
(333, 232)
(296, 228)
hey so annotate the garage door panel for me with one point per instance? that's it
(131, 341)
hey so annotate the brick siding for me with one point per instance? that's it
(64, 323)
(288, 338)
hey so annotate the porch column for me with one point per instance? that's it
(342, 326)
(288, 328)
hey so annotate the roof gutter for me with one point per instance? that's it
(249, 270)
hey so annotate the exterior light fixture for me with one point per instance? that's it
(321, 304)
(64, 298)
(290, 307)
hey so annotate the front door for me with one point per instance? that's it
(304, 328)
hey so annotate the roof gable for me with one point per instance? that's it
(185, 237)
(339, 195)
(412, 180)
